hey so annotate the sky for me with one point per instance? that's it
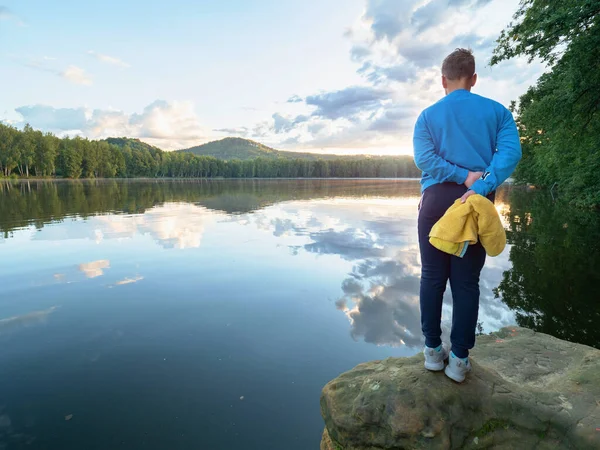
(328, 76)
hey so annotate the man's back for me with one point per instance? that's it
(465, 130)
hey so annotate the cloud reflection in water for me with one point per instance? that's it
(92, 269)
(25, 320)
(380, 297)
(376, 235)
(172, 225)
(382, 301)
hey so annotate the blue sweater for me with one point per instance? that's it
(466, 132)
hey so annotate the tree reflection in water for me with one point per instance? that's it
(554, 279)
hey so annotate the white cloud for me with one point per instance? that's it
(72, 73)
(76, 75)
(239, 132)
(398, 47)
(168, 125)
(48, 118)
(164, 120)
(349, 102)
(425, 32)
(108, 59)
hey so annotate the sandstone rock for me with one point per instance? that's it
(527, 391)
(326, 443)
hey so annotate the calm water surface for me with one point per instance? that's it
(208, 315)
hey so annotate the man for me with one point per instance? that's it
(465, 144)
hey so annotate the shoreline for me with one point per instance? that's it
(20, 180)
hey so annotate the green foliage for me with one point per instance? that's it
(479, 329)
(555, 255)
(492, 425)
(46, 152)
(71, 157)
(9, 155)
(26, 142)
(123, 157)
(558, 118)
(541, 28)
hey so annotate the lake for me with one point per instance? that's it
(209, 314)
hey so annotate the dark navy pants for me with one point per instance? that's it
(439, 267)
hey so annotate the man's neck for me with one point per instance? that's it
(451, 89)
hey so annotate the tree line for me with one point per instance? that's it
(29, 152)
(559, 118)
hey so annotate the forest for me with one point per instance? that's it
(31, 153)
(558, 117)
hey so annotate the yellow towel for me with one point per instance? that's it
(466, 223)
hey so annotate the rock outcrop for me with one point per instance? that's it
(527, 391)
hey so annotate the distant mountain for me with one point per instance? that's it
(134, 144)
(244, 149)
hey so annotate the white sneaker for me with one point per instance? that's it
(457, 368)
(434, 359)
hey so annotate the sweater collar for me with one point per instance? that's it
(459, 92)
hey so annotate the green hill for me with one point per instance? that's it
(244, 149)
(134, 144)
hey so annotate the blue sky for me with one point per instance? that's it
(343, 76)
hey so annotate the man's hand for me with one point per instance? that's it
(467, 195)
(472, 178)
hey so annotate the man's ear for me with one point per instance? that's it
(474, 80)
(444, 82)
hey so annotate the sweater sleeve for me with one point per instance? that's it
(505, 159)
(429, 161)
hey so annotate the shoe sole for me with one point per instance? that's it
(435, 367)
(453, 376)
